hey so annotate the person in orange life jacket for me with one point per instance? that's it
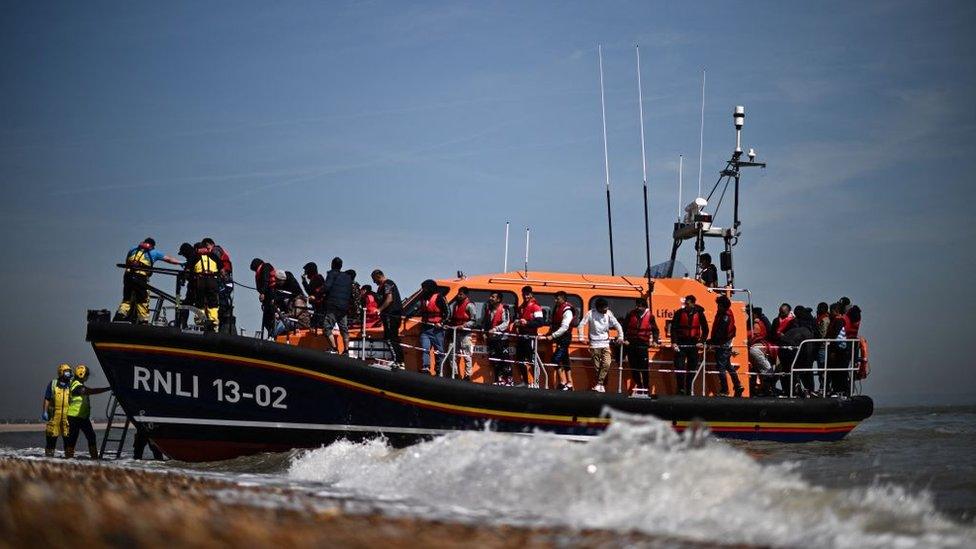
(563, 319)
(463, 315)
(135, 296)
(781, 323)
(598, 322)
(368, 300)
(793, 354)
(760, 352)
(640, 333)
(688, 329)
(822, 322)
(338, 292)
(390, 309)
(528, 319)
(853, 328)
(838, 382)
(265, 283)
(709, 274)
(314, 284)
(723, 333)
(433, 313)
(225, 289)
(495, 323)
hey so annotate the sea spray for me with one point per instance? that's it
(639, 475)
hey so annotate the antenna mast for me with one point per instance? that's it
(681, 165)
(526, 252)
(701, 134)
(647, 229)
(505, 270)
(606, 157)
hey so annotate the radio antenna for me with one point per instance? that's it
(681, 165)
(606, 157)
(526, 252)
(506, 248)
(647, 229)
(701, 134)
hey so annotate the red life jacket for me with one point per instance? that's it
(758, 334)
(497, 316)
(729, 334)
(432, 313)
(460, 316)
(557, 317)
(265, 270)
(372, 309)
(638, 328)
(221, 256)
(851, 328)
(527, 312)
(784, 324)
(686, 325)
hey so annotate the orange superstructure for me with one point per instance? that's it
(620, 291)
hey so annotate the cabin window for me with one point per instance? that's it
(620, 306)
(548, 303)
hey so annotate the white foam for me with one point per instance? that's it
(639, 475)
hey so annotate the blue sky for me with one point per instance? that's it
(404, 136)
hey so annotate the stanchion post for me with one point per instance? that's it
(620, 370)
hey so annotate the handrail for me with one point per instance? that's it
(825, 368)
(544, 283)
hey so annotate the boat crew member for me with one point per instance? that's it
(528, 319)
(709, 274)
(314, 284)
(793, 354)
(206, 288)
(564, 317)
(370, 306)
(433, 312)
(464, 317)
(79, 413)
(640, 332)
(135, 294)
(495, 322)
(189, 256)
(57, 399)
(782, 322)
(225, 286)
(338, 292)
(689, 329)
(599, 321)
(390, 309)
(265, 282)
(722, 336)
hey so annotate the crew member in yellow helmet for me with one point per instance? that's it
(79, 413)
(135, 295)
(206, 287)
(57, 398)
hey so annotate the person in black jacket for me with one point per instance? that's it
(338, 292)
(264, 283)
(688, 329)
(803, 327)
(314, 284)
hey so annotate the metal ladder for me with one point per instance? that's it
(115, 415)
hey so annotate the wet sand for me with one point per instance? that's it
(59, 503)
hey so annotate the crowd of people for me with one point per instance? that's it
(335, 299)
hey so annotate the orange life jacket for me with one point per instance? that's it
(686, 325)
(432, 313)
(527, 313)
(460, 316)
(638, 327)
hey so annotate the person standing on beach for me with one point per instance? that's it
(79, 413)
(599, 321)
(57, 399)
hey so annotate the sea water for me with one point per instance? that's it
(905, 478)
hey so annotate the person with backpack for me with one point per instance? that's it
(599, 321)
(640, 332)
(564, 318)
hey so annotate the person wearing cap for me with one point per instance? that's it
(722, 335)
(79, 413)
(314, 284)
(599, 321)
(135, 295)
(433, 313)
(265, 282)
(57, 399)
(688, 330)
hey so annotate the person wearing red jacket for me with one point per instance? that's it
(370, 305)
(640, 332)
(688, 331)
(463, 318)
(433, 314)
(528, 319)
(723, 333)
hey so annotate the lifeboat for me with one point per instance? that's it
(210, 396)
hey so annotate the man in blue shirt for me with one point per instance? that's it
(134, 291)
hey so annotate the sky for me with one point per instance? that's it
(404, 136)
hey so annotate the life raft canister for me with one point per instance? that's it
(432, 313)
(460, 316)
(687, 325)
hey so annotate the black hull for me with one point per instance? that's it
(205, 397)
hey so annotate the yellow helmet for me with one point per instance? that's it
(81, 372)
(62, 368)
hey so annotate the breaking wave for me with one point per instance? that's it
(639, 475)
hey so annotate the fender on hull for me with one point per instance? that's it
(212, 396)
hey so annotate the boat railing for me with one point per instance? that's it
(850, 368)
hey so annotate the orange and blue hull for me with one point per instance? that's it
(204, 397)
